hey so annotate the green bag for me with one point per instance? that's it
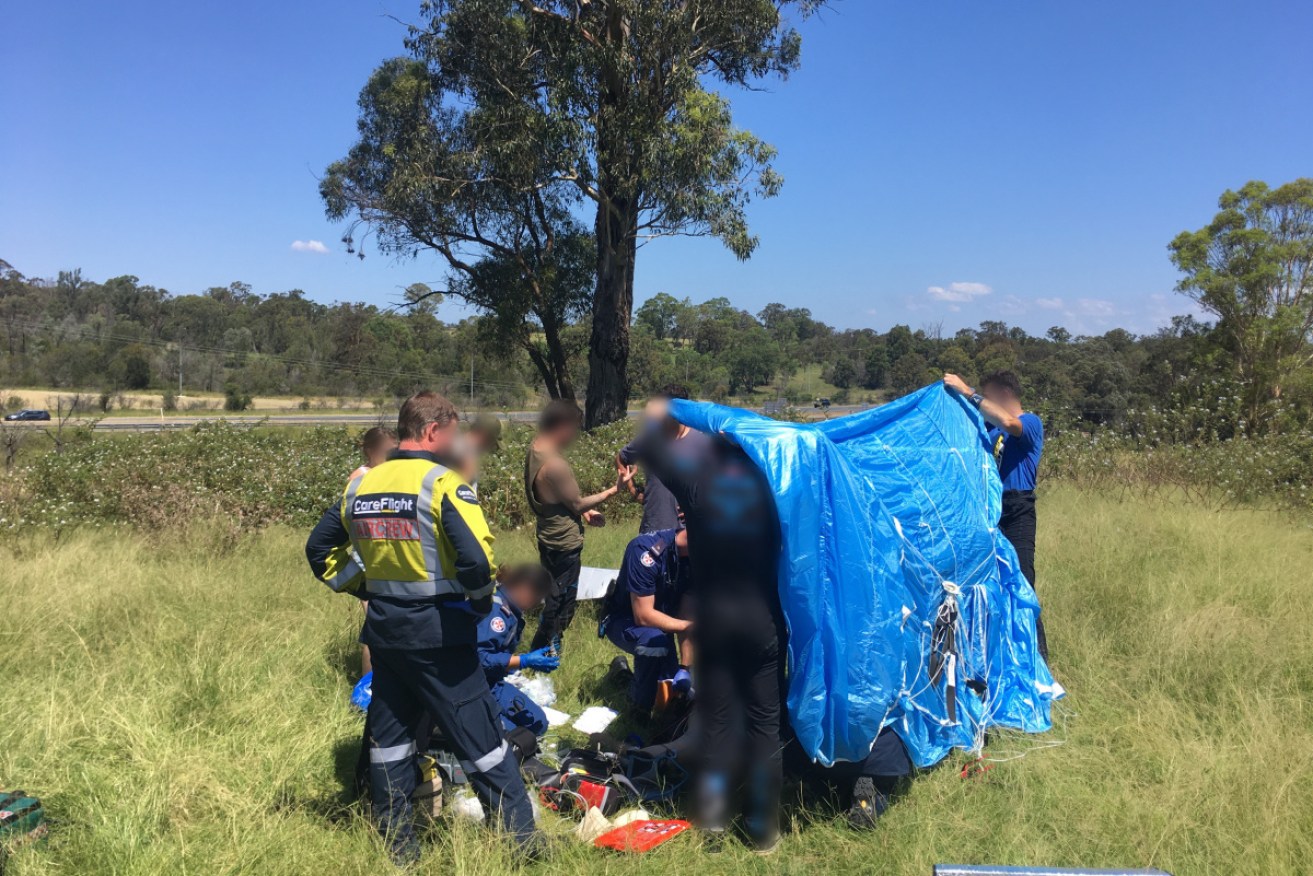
(22, 819)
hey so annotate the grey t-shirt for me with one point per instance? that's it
(660, 510)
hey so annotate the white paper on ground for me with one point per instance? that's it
(555, 718)
(595, 719)
(593, 825)
(594, 581)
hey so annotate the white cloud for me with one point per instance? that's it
(1098, 307)
(309, 246)
(1048, 303)
(958, 293)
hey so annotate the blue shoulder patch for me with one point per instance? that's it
(467, 494)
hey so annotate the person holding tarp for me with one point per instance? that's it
(734, 548)
(1017, 440)
(906, 607)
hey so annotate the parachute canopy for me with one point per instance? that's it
(906, 607)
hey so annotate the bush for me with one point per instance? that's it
(253, 477)
(169, 401)
(235, 400)
(1264, 470)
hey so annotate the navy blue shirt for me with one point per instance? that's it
(1018, 455)
(651, 567)
(660, 510)
(499, 636)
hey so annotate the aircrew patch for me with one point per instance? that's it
(467, 494)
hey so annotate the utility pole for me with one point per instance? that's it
(471, 381)
(180, 370)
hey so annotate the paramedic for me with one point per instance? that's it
(519, 589)
(645, 613)
(426, 550)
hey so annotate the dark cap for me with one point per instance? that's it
(489, 425)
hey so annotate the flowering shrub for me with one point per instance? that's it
(1273, 470)
(248, 478)
(231, 479)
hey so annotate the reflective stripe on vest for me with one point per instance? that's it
(414, 589)
(434, 585)
(352, 570)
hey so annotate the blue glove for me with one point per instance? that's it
(363, 692)
(683, 682)
(540, 660)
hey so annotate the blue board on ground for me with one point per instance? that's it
(886, 516)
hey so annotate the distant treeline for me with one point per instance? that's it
(122, 335)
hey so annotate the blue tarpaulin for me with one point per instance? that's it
(888, 516)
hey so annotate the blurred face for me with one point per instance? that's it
(524, 595)
(440, 439)
(481, 441)
(1000, 396)
(565, 434)
(657, 410)
(378, 455)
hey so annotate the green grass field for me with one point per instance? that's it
(181, 706)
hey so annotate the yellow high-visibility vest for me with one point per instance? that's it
(395, 513)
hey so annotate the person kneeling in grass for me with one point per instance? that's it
(643, 613)
(519, 589)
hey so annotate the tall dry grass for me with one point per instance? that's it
(180, 704)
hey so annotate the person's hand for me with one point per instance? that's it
(624, 476)
(957, 384)
(594, 518)
(540, 661)
(683, 682)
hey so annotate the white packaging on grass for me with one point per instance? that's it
(538, 688)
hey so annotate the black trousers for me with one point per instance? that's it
(740, 695)
(1018, 526)
(449, 685)
(558, 610)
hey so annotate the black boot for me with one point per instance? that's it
(867, 805)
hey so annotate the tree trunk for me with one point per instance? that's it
(544, 370)
(613, 304)
(556, 358)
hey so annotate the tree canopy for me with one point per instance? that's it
(511, 114)
(1252, 267)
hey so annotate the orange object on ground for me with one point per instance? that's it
(641, 836)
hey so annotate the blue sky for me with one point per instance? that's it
(945, 162)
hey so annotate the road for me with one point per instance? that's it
(186, 421)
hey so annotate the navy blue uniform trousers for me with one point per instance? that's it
(447, 683)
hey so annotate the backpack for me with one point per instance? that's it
(22, 820)
(588, 779)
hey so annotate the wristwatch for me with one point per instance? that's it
(976, 399)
